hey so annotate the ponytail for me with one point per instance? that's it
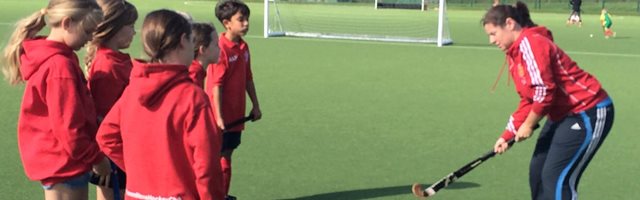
(522, 12)
(86, 12)
(519, 12)
(25, 29)
(162, 31)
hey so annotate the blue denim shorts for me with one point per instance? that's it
(74, 182)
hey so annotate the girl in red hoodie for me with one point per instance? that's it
(161, 131)
(57, 122)
(108, 72)
(579, 112)
(206, 51)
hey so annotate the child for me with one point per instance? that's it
(605, 20)
(109, 69)
(550, 84)
(229, 79)
(57, 122)
(206, 51)
(161, 131)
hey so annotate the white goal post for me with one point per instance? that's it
(346, 19)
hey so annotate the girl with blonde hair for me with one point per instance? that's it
(57, 120)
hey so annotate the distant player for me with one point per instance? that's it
(550, 84)
(605, 20)
(108, 71)
(206, 51)
(161, 131)
(57, 118)
(574, 17)
(230, 78)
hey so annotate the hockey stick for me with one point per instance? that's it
(452, 177)
(238, 122)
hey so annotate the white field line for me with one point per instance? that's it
(451, 46)
(459, 47)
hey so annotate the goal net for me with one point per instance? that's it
(348, 19)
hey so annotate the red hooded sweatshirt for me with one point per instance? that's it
(547, 80)
(108, 76)
(57, 123)
(197, 73)
(163, 134)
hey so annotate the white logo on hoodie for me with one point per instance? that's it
(233, 58)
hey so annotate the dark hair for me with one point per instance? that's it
(162, 31)
(225, 9)
(202, 36)
(117, 14)
(498, 15)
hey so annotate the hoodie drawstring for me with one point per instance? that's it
(504, 64)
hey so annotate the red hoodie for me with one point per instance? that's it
(162, 133)
(57, 123)
(108, 76)
(547, 80)
(197, 73)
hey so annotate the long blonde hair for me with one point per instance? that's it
(86, 12)
(117, 14)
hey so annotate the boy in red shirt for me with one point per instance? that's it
(161, 131)
(206, 51)
(57, 122)
(229, 79)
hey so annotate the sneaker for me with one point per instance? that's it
(229, 197)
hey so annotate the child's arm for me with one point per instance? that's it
(204, 139)
(68, 119)
(251, 91)
(109, 136)
(217, 102)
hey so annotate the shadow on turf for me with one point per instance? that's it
(377, 192)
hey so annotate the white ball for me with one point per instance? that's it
(590, 35)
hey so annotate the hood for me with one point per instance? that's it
(151, 81)
(542, 31)
(116, 56)
(531, 31)
(38, 50)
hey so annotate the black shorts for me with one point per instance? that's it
(231, 140)
(116, 173)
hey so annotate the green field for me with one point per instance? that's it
(364, 120)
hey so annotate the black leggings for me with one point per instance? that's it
(564, 150)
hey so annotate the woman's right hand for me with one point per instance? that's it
(501, 146)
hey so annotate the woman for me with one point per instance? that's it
(579, 111)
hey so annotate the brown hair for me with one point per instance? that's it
(86, 12)
(202, 36)
(162, 31)
(117, 14)
(498, 15)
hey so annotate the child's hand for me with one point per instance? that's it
(220, 124)
(256, 113)
(103, 169)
